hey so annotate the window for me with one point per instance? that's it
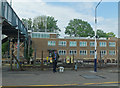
(92, 44)
(83, 52)
(83, 44)
(51, 43)
(102, 44)
(111, 52)
(73, 43)
(62, 52)
(112, 44)
(62, 43)
(71, 52)
(103, 52)
(39, 35)
(92, 52)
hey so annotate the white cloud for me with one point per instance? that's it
(64, 14)
(109, 25)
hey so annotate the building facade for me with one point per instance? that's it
(79, 47)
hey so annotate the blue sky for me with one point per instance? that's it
(105, 9)
(107, 12)
(108, 9)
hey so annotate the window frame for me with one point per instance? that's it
(73, 53)
(83, 54)
(102, 44)
(92, 50)
(105, 51)
(84, 43)
(72, 45)
(112, 54)
(52, 43)
(65, 43)
(62, 53)
(112, 45)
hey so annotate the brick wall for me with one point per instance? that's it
(42, 44)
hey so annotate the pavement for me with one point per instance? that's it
(82, 77)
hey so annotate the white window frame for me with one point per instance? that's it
(83, 51)
(112, 52)
(73, 52)
(72, 44)
(62, 53)
(92, 50)
(84, 44)
(103, 51)
(62, 43)
(92, 45)
(112, 44)
(39, 35)
(50, 43)
(101, 44)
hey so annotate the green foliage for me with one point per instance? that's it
(79, 28)
(101, 33)
(30, 52)
(4, 47)
(110, 34)
(27, 23)
(41, 23)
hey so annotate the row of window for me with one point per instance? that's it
(82, 44)
(84, 52)
(38, 35)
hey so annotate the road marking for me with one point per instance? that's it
(101, 83)
(62, 84)
(42, 85)
(70, 84)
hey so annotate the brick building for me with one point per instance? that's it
(81, 47)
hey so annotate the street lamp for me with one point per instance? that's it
(95, 60)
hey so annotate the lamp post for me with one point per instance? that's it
(95, 60)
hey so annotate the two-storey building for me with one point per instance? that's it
(82, 48)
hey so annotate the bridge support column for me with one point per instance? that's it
(18, 49)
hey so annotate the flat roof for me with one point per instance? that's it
(45, 32)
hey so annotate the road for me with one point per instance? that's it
(82, 77)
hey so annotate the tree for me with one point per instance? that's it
(110, 34)
(4, 47)
(28, 23)
(101, 33)
(45, 23)
(79, 28)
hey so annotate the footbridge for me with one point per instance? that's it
(12, 27)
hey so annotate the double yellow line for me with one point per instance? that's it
(85, 84)
(101, 83)
(40, 85)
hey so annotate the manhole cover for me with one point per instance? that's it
(92, 76)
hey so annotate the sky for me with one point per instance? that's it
(107, 12)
